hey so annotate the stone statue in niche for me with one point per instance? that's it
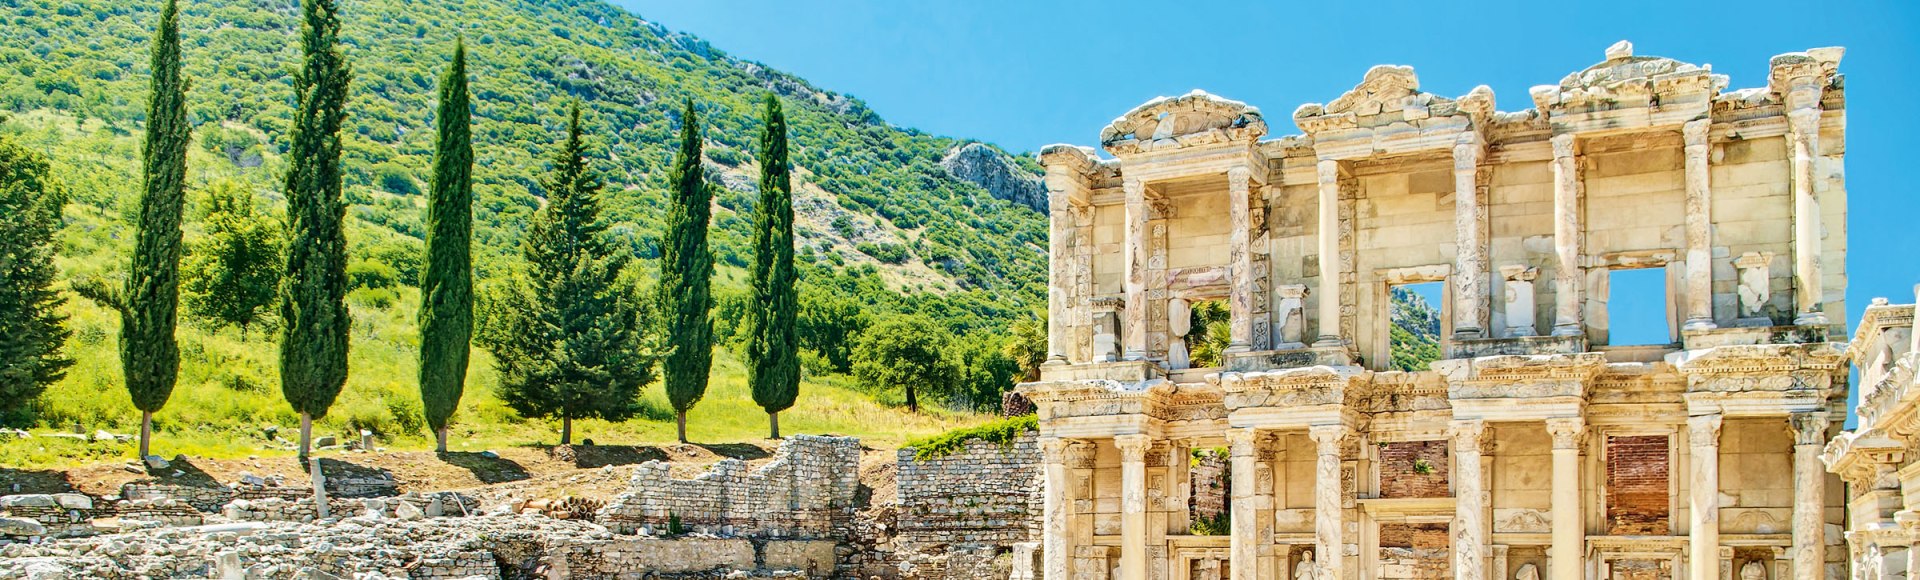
(1179, 322)
(1306, 569)
(1293, 323)
(1753, 570)
(1755, 288)
(1527, 572)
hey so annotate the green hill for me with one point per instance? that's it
(885, 229)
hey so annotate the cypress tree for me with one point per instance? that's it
(446, 291)
(569, 336)
(773, 355)
(32, 329)
(686, 271)
(313, 308)
(149, 304)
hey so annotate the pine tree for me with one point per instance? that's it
(446, 291)
(773, 355)
(232, 275)
(313, 308)
(569, 334)
(686, 271)
(32, 329)
(149, 304)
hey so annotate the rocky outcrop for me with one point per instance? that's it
(993, 171)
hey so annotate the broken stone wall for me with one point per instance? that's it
(806, 491)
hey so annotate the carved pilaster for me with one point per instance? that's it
(1699, 220)
(1568, 529)
(1329, 248)
(1133, 333)
(1244, 547)
(1803, 136)
(1809, 494)
(1057, 533)
(1568, 238)
(1703, 545)
(1133, 504)
(1469, 496)
(1328, 521)
(1240, 260)
(1470, 288)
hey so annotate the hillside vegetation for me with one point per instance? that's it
(883, 229)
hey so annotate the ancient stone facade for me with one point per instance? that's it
(1539, 446)
(1880, 456)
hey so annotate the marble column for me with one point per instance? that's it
(1133, 331)
(1809, 495)
(1569, 530)
(1060, 226)
(1240, 260)
(1329, 522)
(1568, 230)
(1469, 527)
(1133, 505)
(1244, 546)
(1803, 135)
(1329, 317)
(1699, 302)
(1470, 288)
(1703, 541)
(1056, 544)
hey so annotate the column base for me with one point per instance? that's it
(1133, 356)
(1238, 347)
(1326, 341)
(1468, 334)
(1699, 324)
(1568, 329)
(1055, 360)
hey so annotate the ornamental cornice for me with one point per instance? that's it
(1315, 385)
(1862, 456)
(1749, 359)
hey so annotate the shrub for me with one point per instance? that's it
(1003, 432)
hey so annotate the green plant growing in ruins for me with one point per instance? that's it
(1423, 467)
(675, 527)
(1218, 524)
(1002, 432)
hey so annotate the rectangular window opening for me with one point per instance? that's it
(1413, 326)
(1637, 307)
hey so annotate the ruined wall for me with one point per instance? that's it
(1638, 500)
(806, 491)
(985, 493)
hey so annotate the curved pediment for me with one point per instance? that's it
(1622, 65)
(1196, 118)
(1387, 95)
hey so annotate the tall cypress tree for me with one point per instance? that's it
(686, 272)
(313, 308)
(32, 329)
(773, 355)
(446, 291)
(149, 304)
(570, 336)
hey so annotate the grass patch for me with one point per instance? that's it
(1003, 432)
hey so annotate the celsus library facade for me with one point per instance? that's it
(1538, 445)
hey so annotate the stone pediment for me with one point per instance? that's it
(1389, 101)
(1626, 80)
(1194, 119)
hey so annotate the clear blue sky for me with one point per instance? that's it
(1022, 74)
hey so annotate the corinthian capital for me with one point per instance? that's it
(1566, 431)
(1133, 448)
(1328, 437)
(1808, 428)
(1469, 436)
(1704, 430)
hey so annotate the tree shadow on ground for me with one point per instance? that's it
(593, 456)
(13, 481)
(182, 471)
(740, 451)
(486, 469)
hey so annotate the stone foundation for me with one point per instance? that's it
(807, 491)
